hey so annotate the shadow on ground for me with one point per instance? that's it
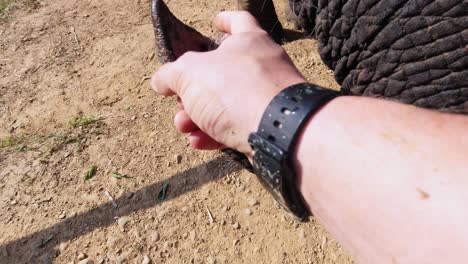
(293, 35)
(28, 248)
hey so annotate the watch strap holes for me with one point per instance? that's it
(277, 124)
(286, 111)
(271, 138)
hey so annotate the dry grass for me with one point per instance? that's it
(8, 6)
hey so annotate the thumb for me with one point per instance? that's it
(233, 22)
(167, 79)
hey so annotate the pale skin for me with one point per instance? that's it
(388, 181)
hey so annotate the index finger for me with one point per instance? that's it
(233, 22)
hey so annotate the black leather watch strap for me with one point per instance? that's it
(274, 143)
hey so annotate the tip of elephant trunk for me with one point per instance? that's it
(174, 38)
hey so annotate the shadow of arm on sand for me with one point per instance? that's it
(38, 244)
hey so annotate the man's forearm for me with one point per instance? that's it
(389, 181)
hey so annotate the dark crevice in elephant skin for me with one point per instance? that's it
(412, 51)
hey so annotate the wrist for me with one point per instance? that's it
(274, 143)
(262, 103)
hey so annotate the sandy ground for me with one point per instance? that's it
(90, 60)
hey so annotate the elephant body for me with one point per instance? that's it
(413, 51)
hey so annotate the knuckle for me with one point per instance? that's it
(187, 56)
(244, 14)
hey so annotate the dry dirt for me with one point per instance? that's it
(62, 60)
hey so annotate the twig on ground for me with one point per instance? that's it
(210, 215)
(114, 204)
(77, 40)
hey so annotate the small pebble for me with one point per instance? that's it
(252, 201)
(222, 222)
(241, 189)
(167, 244)
(13, 202)
(155, 236)
(63, 246)
(236, 225)
(62, 216)
(146, 260)
(248, 211)
(235, 242)
(82, 256)
(86, 261)
(122, 222)
(113, 242)
(211, 260)
(133, 118)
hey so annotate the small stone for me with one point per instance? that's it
(227, 208)
(13, 202)
(62, 215)
(82, 256)
(86, 261)
(122, 222)
(133, 118)
(252, 201)
(241, 189)
(248, 211)
(222, 222)
(155, 236)
(146, 260)
(236, 225)
(113, 242)
(167, 244)
(211, 260)
(235, 242)
(295, 225)
(178, 159)
(63, 246)
(145, 115)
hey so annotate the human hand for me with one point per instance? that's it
(224, 92)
